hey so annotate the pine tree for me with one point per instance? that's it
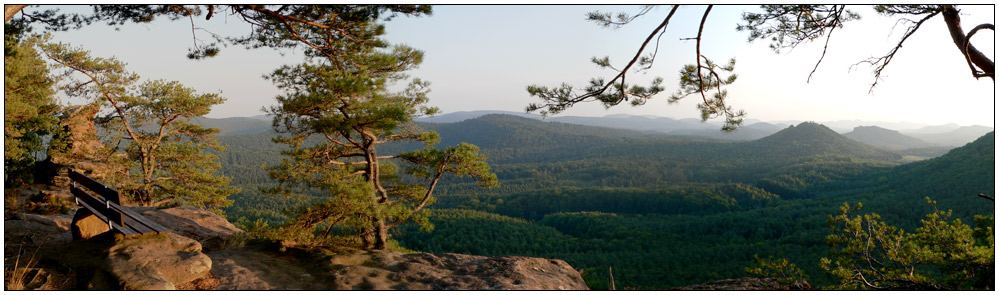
(29, 106)
(942, 254)
(169, 159)
(335, 115)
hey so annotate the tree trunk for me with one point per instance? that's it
(953, 19)
(10, 10)
(366, 243)
(381, 234)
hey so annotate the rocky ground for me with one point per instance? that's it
(205, 252)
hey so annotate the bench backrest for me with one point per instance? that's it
(100, 204)
(106, 205)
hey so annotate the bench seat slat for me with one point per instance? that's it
(125, 230)
(137, 219)
(141, 227)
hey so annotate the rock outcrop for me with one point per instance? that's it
(37, 230)
(156, 262)
(178, 260)
(387, 270)
(206, 227)
(391, 270)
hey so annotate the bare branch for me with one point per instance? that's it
(565, 97)
(882, 62)
(836, 22)
(700, 77)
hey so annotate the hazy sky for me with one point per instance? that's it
(483, 57)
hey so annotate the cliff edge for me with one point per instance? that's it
(205, 252)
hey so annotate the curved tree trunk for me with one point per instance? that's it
(953, 19)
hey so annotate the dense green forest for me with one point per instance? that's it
(663, 211)
(345, 162)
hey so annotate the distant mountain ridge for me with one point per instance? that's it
(465, 115)
(948, 135)
(957, 137)
(810, 138)
(885, 138)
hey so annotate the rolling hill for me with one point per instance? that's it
(886, 139)
(663, 210)
(236, 125)
(811, 139)
(956, 137)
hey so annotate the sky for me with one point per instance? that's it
(482, 57)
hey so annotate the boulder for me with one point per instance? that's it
(86, 225)
(156, 261)
(203, 226)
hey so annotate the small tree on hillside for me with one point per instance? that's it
(148, 123)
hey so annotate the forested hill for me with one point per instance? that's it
(568, 152)
(885, 138)
(664, 211)
(954, 180)
(506, 130)
(809, 139)
(529, 154)
(237, 125)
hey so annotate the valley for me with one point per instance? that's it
(662, 210)
(304, 146)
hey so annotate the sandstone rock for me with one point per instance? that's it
(470, 272)
(86, 225)
(38, 230)
(157, 262)
(168, 260)
(61, 181)
(240, 269)
(390, 270)
(206, 227)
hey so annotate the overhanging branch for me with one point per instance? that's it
(967, 48)
(882, 62)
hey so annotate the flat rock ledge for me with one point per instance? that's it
(390, 270)
(201, 253)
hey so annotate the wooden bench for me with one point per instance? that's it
(106, 206)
